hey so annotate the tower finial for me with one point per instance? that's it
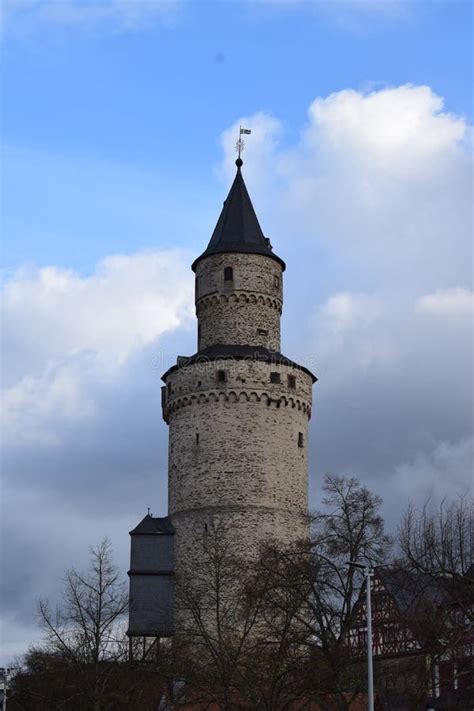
(240, 145)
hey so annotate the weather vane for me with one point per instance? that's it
(239, 146)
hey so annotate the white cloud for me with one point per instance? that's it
(447, 302)
(428, 473)
(51, 313)
(381, 180)
(396, 127)
(62, 330)
(351, 323)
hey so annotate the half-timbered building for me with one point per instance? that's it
(422, 637)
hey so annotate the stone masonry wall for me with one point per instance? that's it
(238, 450)
(237, 428)
(244, 310)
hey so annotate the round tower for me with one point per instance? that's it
(237, 410)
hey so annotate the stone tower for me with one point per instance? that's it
(237, 410)
(238, 414)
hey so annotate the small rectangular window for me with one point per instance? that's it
(291, 381)
(262, 331)
(276, 282)
(221, 376)
(274, 377)
(300, 439)
(197, 437)
(228, 274)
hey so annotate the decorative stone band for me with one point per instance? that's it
(234, 396)
(238, 297)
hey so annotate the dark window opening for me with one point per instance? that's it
(221, 376)
(291, 381)
(276, 282)
(205, 527)
(262, 331)
(199, 383)
(197, 437)
(274, 377)
(300, 439)
(228, 274)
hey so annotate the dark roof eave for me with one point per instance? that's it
(238, 352)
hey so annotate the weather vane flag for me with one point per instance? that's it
(240, 144)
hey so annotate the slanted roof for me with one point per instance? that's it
(154, 525)
(236, 352)
(238, 229)
(408, 588)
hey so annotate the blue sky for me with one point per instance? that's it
(118, 132)
(94, 113)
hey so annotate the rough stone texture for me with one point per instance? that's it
(237, 449)
(245, 310)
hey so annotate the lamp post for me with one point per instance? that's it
(368, 574)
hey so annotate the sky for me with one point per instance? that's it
(119, 122)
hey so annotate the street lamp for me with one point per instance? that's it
(368, 574)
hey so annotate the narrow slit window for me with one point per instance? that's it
(205, 527)
(221, 376)
(276, 282)
(228, 274)
(292, 381)
(275, 377)
(300, 439)
(197, 437)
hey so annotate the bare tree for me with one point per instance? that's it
(237, 628)
(436, 544)
(271, 630)
(86, 630)
(439, 540)
(349, 527)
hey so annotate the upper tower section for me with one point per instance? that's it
(239, 284)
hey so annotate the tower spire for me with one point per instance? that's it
(238, 229)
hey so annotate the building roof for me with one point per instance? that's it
(154, 525)
(407, 587)
(236, 352)
(238, 229)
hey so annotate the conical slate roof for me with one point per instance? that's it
(238, 229)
